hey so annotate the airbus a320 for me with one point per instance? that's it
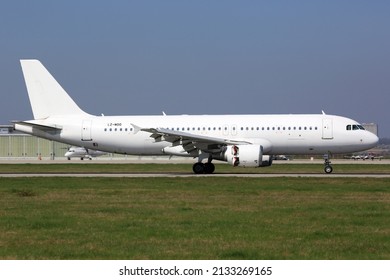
(240, 140)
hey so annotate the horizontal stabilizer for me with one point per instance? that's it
(32, 124)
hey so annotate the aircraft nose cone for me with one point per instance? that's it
(371, 140)
(375, 140)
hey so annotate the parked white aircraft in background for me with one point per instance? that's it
(81, 152)
(241, 140)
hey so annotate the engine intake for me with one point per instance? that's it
(247, 156)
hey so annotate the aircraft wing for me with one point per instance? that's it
(191, 143)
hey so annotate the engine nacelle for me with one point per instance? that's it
(247, 156)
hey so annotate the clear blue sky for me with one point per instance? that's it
(203, 57)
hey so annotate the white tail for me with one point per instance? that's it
(47, 97)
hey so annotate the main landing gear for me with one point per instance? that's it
(204, 168)
(328, 168)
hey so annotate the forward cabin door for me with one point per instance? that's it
(86, 134)
(327, 129)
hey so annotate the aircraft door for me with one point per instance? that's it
(86, 134)
(327, 129)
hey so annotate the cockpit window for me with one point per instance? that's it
(355, 127)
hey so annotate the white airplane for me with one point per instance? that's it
(81, 152)
(241, 140)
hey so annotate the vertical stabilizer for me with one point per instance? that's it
(47, 97)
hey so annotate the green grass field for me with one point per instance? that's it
(194, 218)
(187, 168)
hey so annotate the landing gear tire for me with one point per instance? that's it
(209, 168)
(198, 168)
(328, 169)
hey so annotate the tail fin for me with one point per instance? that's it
(47, 97)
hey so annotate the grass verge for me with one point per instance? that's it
(194, 218)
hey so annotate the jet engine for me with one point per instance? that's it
(247, 156)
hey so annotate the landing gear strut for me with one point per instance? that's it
(204, 168)
(328, 168)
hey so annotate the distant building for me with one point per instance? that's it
(14, 144)
(372, 127)
(18, 145)
(6, 129)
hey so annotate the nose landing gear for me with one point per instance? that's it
(328, 168)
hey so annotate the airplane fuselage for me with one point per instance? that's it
(279, 134)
